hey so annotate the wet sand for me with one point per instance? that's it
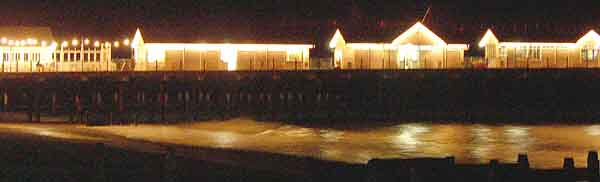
(39, 152)
(296, 149)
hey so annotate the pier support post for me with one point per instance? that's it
(162, 101)
(492, 171)
(30, 106)
(593, 166)
(78, 108)
(569, 163)
(523, 161)
(170, 166)
(4, 100)
(36, 105)
(100, 163)
(53, 104)
(120, 98)
(569, 169)
(523, 171)
(186, 101)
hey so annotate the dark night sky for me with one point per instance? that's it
(313, 19)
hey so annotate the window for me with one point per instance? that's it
(490, 51)
(295, 56)
(529, 52)
(589, 53)
(534, 52)
(521, 52)
(503, 52)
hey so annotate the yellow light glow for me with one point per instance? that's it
(541, 44)
(138, 40)
(43, 43)
(54, 44)
(126, 42)
(97, 44)
(240, 47)
(116, 44)
(156, 55)
(4, 40)
(408, 52)
(339, 55)
(11, 42)
(337, 37)
(229, 55)
(458, 46)
(65, 44)
(156, 51)
(23, 42)
(372, 46)
(489, 36)
(75, 42)
(418, 28)
(591, 37)
(86, 41)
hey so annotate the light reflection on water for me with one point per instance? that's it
(546, 145)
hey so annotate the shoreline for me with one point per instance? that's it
(77, 159)
(336, 118)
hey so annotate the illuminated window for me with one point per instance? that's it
(503, 52)
(294, 56)
(534, 52)
(529, 52)
(490, 51)
(425, 55)
(589, 53)
(521, 52)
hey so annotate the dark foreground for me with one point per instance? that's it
(26, 158)
(36, 158)
(33, 158)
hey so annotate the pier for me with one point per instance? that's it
(464, 95)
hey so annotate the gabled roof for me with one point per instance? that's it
(337, 39)
(537, 36)
(418, 34)
(590, 37)
(220, 35)
(26, 32)
(138, 40)
(489, 36)
(394, 31)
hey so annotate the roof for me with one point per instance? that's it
(418, 34)
(489, 36)
(537, 36)
(393, 31)
(220, 35)
(26, 32)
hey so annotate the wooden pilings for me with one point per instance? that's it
(593, 166)
(444, 169)
(334, 95)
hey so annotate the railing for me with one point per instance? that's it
(29, 67)
(122, 65)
